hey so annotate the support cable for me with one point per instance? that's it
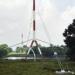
(59, 63)
(43, 41)
(20, 43)
(46, 31)
(30, 24)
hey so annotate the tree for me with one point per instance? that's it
(4, 50)
(19, 49)
(47, 51)
(69, 35)
(22, 49)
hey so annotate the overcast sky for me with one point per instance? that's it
(52, 16)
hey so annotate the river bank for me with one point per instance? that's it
(23, 67)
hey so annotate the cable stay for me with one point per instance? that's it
(29, 29)
(44, 26)
(20, 43)
(62, 70)
(43, 41)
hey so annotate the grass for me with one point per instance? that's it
(16, 54)
(22, 67)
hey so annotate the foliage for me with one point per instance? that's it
(49, 51)
(22, 49)
(69, 35)
(4, 50)
(21, 67)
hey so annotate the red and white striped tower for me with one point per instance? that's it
(34, 31)
(34, 28)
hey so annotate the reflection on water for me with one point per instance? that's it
(18, 58)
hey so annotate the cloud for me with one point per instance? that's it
(16, 18)
(12, 3)
(69, 14)
(13, 19)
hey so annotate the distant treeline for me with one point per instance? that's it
(49, 51)
(46, 51)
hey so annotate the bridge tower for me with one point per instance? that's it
(34, 34)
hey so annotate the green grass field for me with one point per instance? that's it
(22, 67)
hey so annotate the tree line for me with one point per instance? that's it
(46, 51)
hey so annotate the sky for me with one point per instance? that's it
(52, 17)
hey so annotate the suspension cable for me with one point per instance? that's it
(46, 31)
(43, 41)
(30, 25)
(20, 43)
